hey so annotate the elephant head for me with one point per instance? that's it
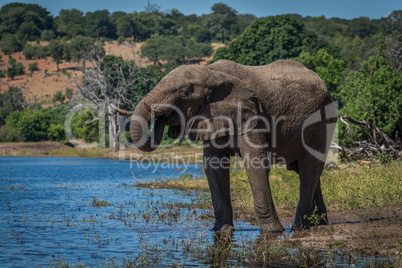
(210, 103)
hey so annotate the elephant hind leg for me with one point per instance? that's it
(310, 170)
(293, 166)
(319, 203)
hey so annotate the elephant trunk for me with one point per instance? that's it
(139, 129)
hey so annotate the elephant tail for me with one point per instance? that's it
(121, 111)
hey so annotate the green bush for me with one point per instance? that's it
(373, 94)
(56, 132)
(10, 135)
(270, 39)
(47, 35)
(9, 43)
(33, 52)
(32, 125)
(15, 68)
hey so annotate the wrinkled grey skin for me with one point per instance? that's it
(284, 92)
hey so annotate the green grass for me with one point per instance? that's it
(362, 186)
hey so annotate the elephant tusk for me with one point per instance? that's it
(121, 111)
(156, 112)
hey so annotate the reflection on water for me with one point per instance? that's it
(86, 211)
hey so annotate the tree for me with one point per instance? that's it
(57, 50)
(15, 68)
(373, 94)
(270, 39)
(80, 48)
(394, 40)
(221, 19)
(9, 43)
(28, 31)
(11, 100)
(361, 27)
(154, 48)
(68, 92)
(14, 15)
(58, 97)
(199, 33)
(112, 80)
(99, 24)
(33, 67)
(70, 22)
(33, 125)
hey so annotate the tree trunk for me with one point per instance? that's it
(116, 147)
(223, 36)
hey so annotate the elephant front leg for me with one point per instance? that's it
(257, 166)
(217, 167)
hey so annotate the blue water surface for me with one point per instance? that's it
(48, 216)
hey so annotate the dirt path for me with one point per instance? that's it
(368, 231)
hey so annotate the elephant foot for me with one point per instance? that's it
(226, 228)
(306, 224)
(273, 227)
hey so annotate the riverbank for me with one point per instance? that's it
(364, 204)
(181, 154)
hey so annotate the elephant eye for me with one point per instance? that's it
(184, 93)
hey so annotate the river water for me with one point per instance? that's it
(59, 211)
(48, 213)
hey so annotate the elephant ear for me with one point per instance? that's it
(231, 108)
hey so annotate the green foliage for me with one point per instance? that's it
(173, 49)
(9, 43)
(56, 132)
(270, 39)
(11, 100)
(120, 40)
(199, 33)
(58, 97)
(330, 69)
(33, 52)
(2, 73)
(70, 22)
(10, 135)
(68, 92)
(33, 125)
(28, 31)
(57, 50)
(33, 67)
(47, 35)
(99, 24)
(83, 130)
(373, 94)
(78, 48)
(221, 19)
(314, 218)
(15, 68)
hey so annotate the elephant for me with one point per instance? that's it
(262, 113)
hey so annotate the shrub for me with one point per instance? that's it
(58, 97)
(47, 35)
(10, 135)
(120, 40)
(56, 132)
(33, 67)
(32, 52)
(9, 43)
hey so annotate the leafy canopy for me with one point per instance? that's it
(270, 39)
